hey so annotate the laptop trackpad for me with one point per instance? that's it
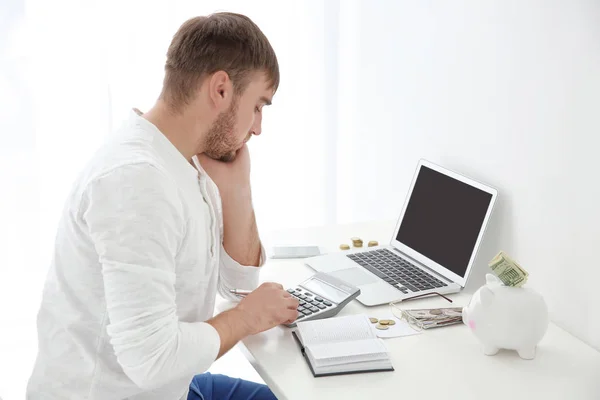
(354, 276)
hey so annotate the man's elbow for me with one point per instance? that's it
(142, 379)
(146, 371)
(176, 352)
(153, 374)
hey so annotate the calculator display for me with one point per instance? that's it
(319, 287)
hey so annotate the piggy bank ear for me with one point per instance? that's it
(491, 279)
(486, 296)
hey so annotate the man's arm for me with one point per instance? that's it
(240, 233)
(264, 308)
(134, 219)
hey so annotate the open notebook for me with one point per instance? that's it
(342, 345)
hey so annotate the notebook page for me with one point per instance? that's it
(348, 352)
(337, 329)
(358, 366)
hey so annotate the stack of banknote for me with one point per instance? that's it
(508, 271)
(434, 317)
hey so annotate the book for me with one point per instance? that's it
(342, 345)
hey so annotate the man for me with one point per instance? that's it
(159, 221)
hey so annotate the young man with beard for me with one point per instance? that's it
(159, 221)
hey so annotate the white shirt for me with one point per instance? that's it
(137, 265)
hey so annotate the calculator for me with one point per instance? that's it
(321, 296)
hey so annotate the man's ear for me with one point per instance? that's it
(220, 90)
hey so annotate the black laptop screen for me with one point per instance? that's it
(443, 219)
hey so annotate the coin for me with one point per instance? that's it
(391, 322)
(356, 241)
(383, 321)
(435, 312)
(373, 320)
(373, 243)
(344, 246)
(382, 327)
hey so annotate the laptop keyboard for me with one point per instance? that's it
(396, 271)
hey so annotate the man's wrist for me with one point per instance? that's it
(235, 194)
(240, 317)
(232, 323)
(231, 326)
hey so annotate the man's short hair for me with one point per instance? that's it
(219, 42)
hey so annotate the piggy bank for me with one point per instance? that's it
(504, 317)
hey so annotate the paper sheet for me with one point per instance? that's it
(401, 328)
(337, 329)
(349, 352)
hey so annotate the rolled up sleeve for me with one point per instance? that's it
(233, 275)
(135, 221)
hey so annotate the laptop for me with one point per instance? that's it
(433, 246)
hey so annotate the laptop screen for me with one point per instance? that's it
(443, 219)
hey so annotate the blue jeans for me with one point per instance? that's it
(220, 387)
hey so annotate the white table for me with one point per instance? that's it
(444, 363)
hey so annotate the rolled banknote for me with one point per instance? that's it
(508, 271)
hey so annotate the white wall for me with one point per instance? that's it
(507, 92)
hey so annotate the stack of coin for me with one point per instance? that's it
(383, 323)
(344, 246)
(373, 243)
(357, 242)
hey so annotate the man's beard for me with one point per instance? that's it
(220, 141)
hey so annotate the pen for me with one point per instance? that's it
(240, 292)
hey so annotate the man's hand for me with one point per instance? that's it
(267, 306)
(232, 178)
(240, 234)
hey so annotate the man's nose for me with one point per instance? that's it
(257, 127)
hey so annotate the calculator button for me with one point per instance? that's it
(290, 290)
(300, 308)
(314, 309)
(326, 303)
(318, 299)
(301, 302)
(308, 294)
(321, 306)
(314, 303)
(306, 312)
(300, 316)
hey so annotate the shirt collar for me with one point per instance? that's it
(163, 146)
